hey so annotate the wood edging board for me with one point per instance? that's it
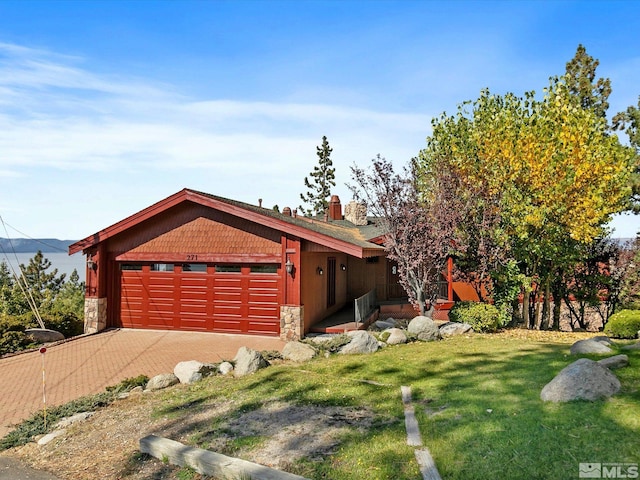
(209, 463)
(427, 466)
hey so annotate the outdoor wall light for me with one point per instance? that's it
(91, 265)
(289, 266)
(343, 267)
(319, 271)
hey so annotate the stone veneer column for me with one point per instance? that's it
(95, 314)
(291, 322)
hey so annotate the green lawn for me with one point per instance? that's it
(476, 399)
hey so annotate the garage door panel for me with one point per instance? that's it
(257, 327)
(235, 302)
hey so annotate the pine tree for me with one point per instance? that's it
(322, 179)
(581, 80)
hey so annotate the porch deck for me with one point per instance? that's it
(343, 321)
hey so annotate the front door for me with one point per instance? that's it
(394, 289)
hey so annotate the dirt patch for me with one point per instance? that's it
(284, 432)
(275, 434)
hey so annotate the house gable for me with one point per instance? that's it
(334, 236)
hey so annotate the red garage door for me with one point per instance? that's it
(201, 297)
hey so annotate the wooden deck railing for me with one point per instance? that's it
(364, 305)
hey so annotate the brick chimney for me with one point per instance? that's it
(335, 208)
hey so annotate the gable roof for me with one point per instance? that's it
(338, 235)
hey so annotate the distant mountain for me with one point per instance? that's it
(29, 245)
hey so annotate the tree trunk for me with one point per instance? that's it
(557, 304)
(546, 307)
(525, 308)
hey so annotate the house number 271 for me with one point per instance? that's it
(192, 258)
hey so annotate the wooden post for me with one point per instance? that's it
(450, 278)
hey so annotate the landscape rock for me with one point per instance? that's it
(248, 361)
(635, 346)
(161, 381)
(225, 368)
(361, 342)
(322, 338)
(134, 391)
(51, 436)
(192, 371)
(455, 328)
(384, 324)
(298, 352)
(396, 336)
(68, 421)
(584, 379)
(424, 328)
(617, 361)
(591, 345)
(43, 335)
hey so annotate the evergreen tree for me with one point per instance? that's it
(629, 122)
(581, 79)
(43, 286)
(322, 179)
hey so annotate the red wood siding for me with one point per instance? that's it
(194, 229)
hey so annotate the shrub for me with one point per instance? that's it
(624, 324)
(66, 323)
(483, 317)
(12, 341)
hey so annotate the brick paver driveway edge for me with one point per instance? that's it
(87, 365)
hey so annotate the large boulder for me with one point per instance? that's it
(248, 361)
(193, 371)
(396, 336)
(597, 345)
(617, 361)
(584, 379)
(298, 352)
(635, 346)
(455, 328)
(424, 328)
(161, 381)
(361, 342)
(43, 335)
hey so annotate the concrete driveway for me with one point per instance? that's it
(87, 365)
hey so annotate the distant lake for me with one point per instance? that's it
(60, 260)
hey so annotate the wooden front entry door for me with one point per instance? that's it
(394, 289)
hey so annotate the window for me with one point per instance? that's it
(162, 267)
(264, 269)
(228, 269)
(194, 267)
(131, 267)
(331, 281)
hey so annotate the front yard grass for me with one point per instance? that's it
(477, 400)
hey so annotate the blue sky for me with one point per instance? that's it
(108, 107)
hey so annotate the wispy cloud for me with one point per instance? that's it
(59, 115)
(76, 131)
